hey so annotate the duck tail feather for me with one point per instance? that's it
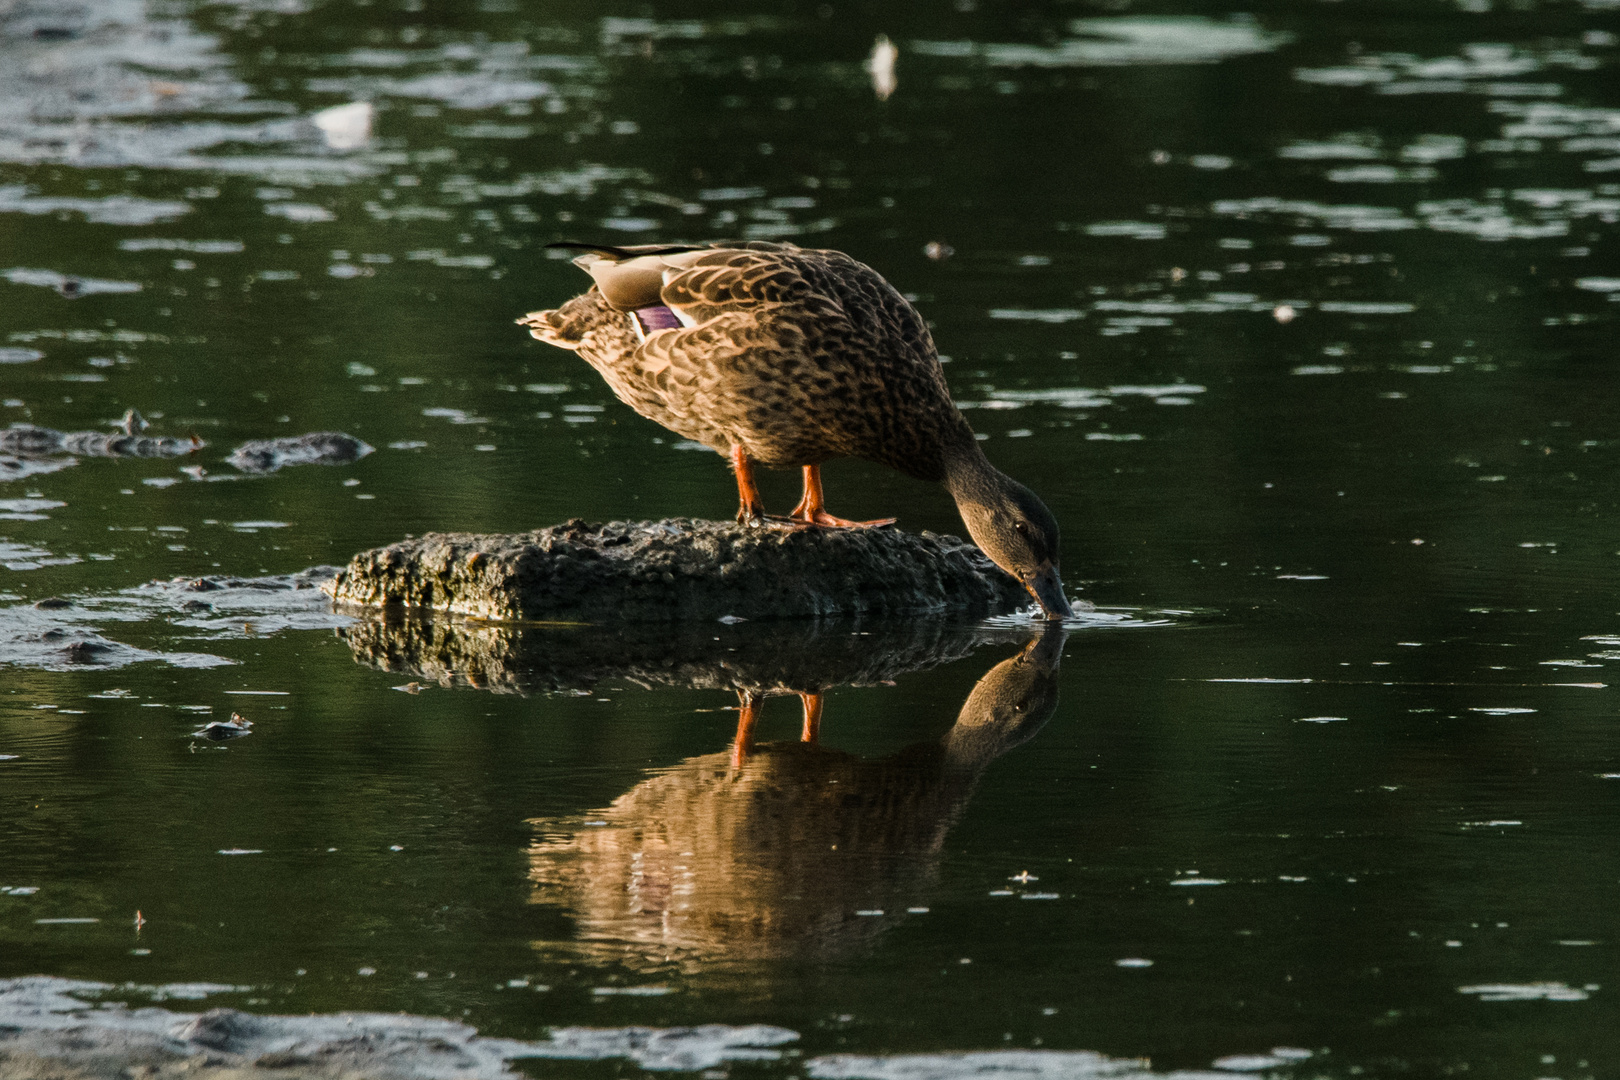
(553, 328)
(632, 251)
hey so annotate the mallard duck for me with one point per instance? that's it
(788, 357)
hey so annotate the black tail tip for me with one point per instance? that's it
(633, 251)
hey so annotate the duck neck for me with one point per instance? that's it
(969, 476)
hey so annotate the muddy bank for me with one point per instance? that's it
(681, 568)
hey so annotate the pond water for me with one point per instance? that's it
(1301, 317)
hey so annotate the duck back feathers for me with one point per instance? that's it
(796, 355)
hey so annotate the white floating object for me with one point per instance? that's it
(1249, 1062)
(880, 65)
(346, 127)
(1538, 991)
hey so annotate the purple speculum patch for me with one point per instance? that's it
(657, 317)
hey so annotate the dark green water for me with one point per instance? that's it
(1299, 315)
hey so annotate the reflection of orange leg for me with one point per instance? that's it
(812, 717)
(813, 511)
(751, 508)
(748, 706)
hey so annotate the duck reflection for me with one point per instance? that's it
(771, 850)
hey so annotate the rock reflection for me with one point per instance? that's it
(750, 658)
(782, 849)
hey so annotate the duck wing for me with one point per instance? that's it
(702, 285)
(799, 356)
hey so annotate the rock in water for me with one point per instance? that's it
(28, 441)
(680, 569)
(316, 448)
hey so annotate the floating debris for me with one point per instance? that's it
(220, 730)
(1538, 991)
(880, 65)
(346, 127)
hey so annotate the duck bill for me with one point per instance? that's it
(1047, 589)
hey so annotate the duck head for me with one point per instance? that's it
(1010, 524)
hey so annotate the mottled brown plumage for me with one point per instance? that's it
(791, 357)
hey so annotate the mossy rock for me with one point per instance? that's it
(681, 568)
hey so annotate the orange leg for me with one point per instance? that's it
(748, 707)
(812, 717)
(751, 508)
(812, 509)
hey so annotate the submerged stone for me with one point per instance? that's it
(28, 441)
(48, 1028)
(681, 568)
(316, 448)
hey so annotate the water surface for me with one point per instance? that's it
(1300, 316)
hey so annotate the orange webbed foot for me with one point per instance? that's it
(822, 519)
(812, 512)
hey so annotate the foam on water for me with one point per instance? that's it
(1123, 40)
(109, 210)
(996, 1065)
(1088, 618)
(1537, 991)
(67, 284)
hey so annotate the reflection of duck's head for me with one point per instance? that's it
(791, 849)
(1010, 704)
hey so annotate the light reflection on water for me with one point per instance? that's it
(1298, 318)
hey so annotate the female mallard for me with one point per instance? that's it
(789, 356)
